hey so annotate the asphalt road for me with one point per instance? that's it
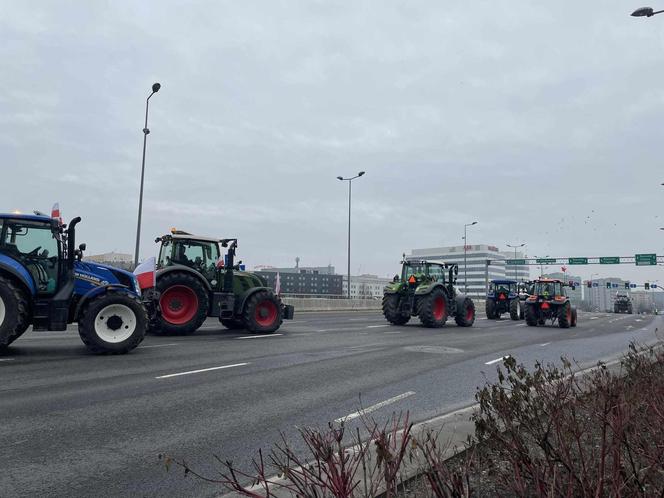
(74, 424)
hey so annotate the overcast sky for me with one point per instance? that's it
(543, 122)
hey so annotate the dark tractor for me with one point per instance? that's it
(193, 283)
(426, 289)
(502, 297)
(549, 302)
(622, 304)
(44, 283)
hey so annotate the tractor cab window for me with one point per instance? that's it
(34, 245)
(437, 273)
(413, 269)
(165, 253)
(548, 289)
(197, 254)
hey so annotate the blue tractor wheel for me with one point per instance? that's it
(14, 312)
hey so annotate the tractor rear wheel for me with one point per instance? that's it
(530, 313)
(184, 304)
(490, 307)
(113, 323)
(465, 316)
(514, 309)
(565, 315)
(433, 309)
(573, 324)
(262, 312)
(231, 323)
(14, 312)
(391, 310)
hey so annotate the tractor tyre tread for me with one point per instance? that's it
(87, 316)
(514, 309)
(249, 313)
(461, 317)
(425, 309)
(17, 314)
(530, 315)
(390, 306)
(232, 323)
(159, 326)
(490, 307)
(563, 320)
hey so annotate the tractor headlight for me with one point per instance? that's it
(137, 287)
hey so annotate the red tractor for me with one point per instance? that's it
(549, 302)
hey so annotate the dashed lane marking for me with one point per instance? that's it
(545, 344)
(376, 326)
(6, 359)
(167, 376)
(594, 317)
(497, 360)
(263, 336)
(375, 407)
(157, 346)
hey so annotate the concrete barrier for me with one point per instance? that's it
(325, 304)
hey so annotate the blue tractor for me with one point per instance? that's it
(44, 283)
(503, 297)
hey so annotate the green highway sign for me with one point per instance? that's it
(645, 259)
(515, 262)
(546, 261)
(577, 261)
(609, 260)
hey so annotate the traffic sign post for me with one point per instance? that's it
(609, 260)
(645, 259)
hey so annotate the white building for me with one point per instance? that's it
(365, 286)
(482, 263)
(602, 297)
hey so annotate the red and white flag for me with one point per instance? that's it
(277, 285)
(55, 212)
(145, 273)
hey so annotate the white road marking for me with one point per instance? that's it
(157, 346)
(630, 326)
(395, 332)
(594, 317)
(376, 326)
(258, 336)
(638, 320)
(201, 370)
(375, 407)
(6, 359)
(496, 360)
(545, 344)
(521, 325)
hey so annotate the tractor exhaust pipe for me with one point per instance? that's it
(71, 240)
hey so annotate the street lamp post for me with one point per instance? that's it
(645, 12)
(146, 131)
(465, 250)
(350, 182)
(541, 264)
(515, 248)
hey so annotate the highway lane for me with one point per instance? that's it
(75, 424)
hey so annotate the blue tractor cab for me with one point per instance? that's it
(45, 283)
(503, 297)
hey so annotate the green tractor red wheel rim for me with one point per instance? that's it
(438, 308)
(569, 313)
(179, 304)
(266, 313)
(470, 313)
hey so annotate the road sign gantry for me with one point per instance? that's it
(638, 260)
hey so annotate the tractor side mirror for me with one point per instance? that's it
(396, 278)
(82, 247)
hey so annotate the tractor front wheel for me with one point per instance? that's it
(14, 313)
(530, 314)
(391, 310)
(183, 302)
(514, 309)
(262, 312)
(113, 323)
(433, 309)
(465, 316)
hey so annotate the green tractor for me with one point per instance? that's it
(193, 282)
(426, 289)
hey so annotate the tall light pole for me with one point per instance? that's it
(465, 250)
(146, 131)
(350, 182)
(541, 264)
(515, 248)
